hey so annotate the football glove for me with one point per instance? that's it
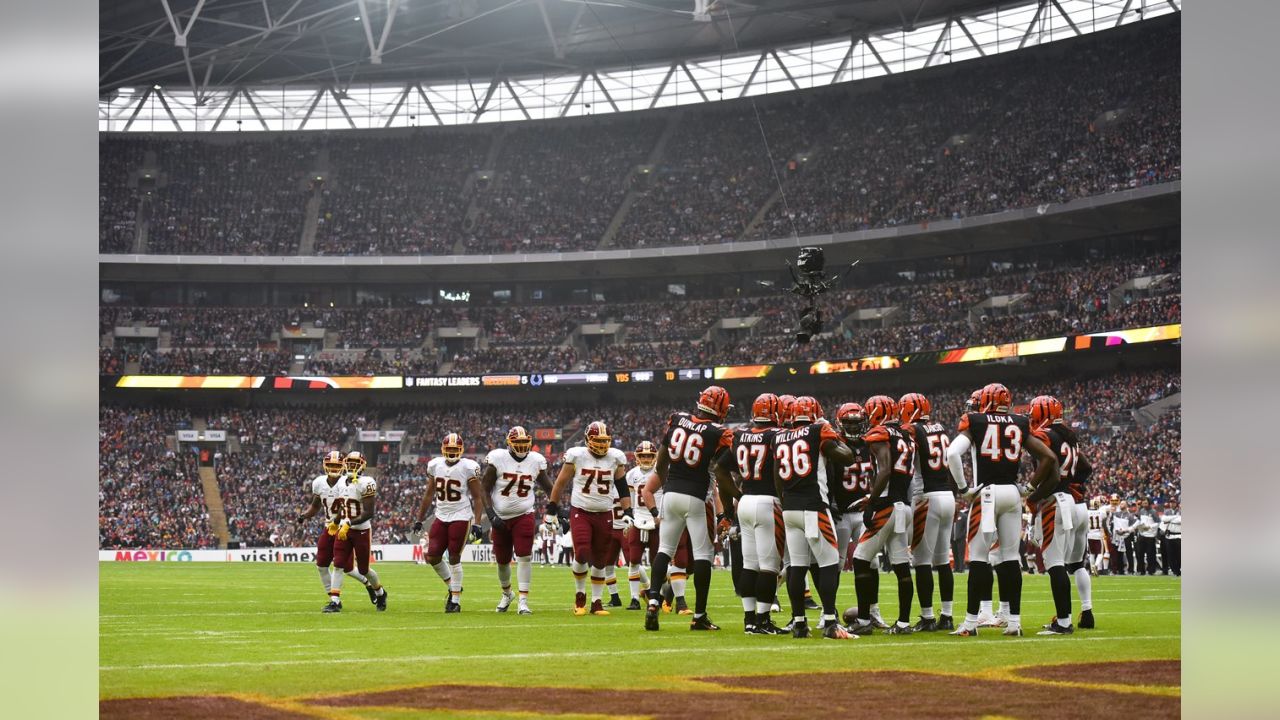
(972, 493)
(343, 528)
(553, 509)
(724, 523)
(332, 527)
(476, 532)
(629, 517)
(495, 520)
(417, 526)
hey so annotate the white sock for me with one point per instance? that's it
(1004, 608)
(611, 579)
(984, 607)
(524, 573)
(504, 577)
(358, 577)
(335, 581)
(1064, 622)
(597, 583)
(1015, 619)
(373, 580)
(875, 610)
(677, 585)
(970, 621)
(324, 578)
(926, 613)
(455, 582)
(579, 576)
(1084, 586)
(947, 608)
(443, 571)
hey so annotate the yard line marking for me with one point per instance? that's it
(699, 649)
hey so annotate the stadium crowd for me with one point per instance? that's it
(953, 143)
(933, 311)
(150, 495)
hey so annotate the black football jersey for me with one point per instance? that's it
(692, 442)
(751, 455)
(797, 454)
(998, 440)
(1063, 442)
(851, 483)
(931, 441)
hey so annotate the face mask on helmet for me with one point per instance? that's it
(452, 448)
(854, 424)
(598, 439)
(519, 442)
(333, 464)
(646, 455)
(355, 463)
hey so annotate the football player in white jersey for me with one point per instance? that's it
(641, 537)
(509, 476)
(597, 472)
(325, 492)
(355, 530)
(455, 490)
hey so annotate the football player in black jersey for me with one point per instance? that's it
(996, 512)
(801, 455)
(1062, 520)
(690, 447)
(749, 466)
(933, 513)
(887, 518)
(851, 483)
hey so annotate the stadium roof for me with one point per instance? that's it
(218, 43)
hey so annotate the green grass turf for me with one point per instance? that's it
(179, 629)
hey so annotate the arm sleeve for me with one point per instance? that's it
(620, 484)
(955, 460)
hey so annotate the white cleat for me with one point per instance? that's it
(523, 608)
(505, 602)
(877, 621)
(1013, 629)
(774, 608)
(986, 620)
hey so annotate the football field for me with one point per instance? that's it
(200, 640)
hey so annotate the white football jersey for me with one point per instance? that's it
(636, 479)
(512, 494)
(450, 483)
(332, 497)
(1097, 516)
(355, 493)
(593, 489)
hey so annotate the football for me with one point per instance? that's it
(851, 615)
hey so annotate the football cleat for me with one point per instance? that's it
(523, 608)
(811, 604)
(862, 627)
(703, 623)
(381, 602)
(767, 628)
(899, 629)
(965, 631)
(682, 607)
(877, 621)
(1054, 628)
(579, 611)
(800, 630)
(615, 601)
(1086, 620)
(505, 602)
(836, 631)
(774, 608)
(373, 595)
(651, 617)
(452, 607)
(597, 608)
(666, 607)
(1013, 629)
(332, 607)
(926, 625)
(985, 620)
(635, 604)
(945, 623)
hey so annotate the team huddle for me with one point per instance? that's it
(789, 492)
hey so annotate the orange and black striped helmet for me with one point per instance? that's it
(995, 398)
(805, 410)
(1045, 410)
(913, 407)
(880, 410)
(817, 406)
(786, 409)
(715, 401)
(852, 419)
(765, 409)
